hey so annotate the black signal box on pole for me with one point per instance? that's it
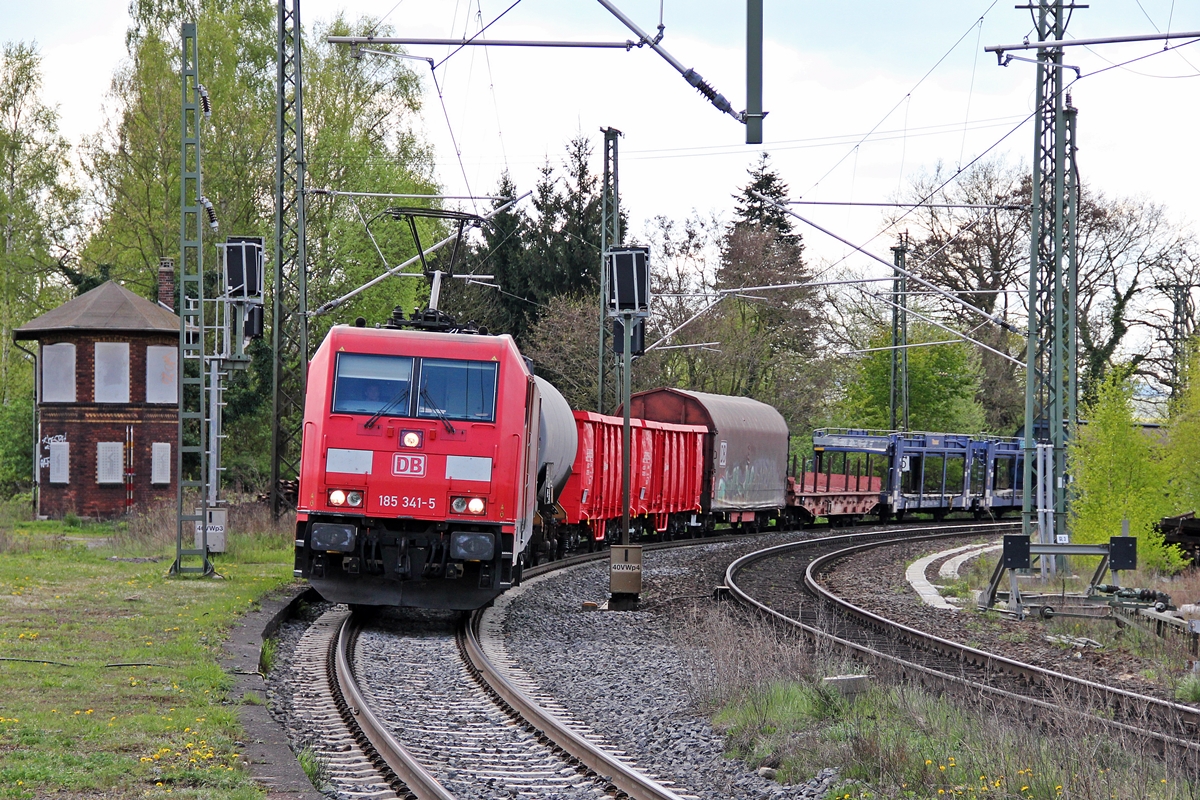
(637, 336)
(628, 280)
(1016, 552)
(1122, 553)
(244, 268)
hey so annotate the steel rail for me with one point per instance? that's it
(625, 778)
(941, 646)
(1114, 697)
(420, 784)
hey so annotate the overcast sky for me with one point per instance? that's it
(912, 72)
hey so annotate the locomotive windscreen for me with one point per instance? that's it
(458, 390)
(365, 384)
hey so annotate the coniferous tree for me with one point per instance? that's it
(555, 251)
(751, 210)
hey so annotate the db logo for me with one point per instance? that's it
(408, 465)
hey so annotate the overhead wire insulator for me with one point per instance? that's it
(205, 101)
(715, 97)
(209, 212)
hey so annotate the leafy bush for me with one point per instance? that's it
(1120, 473)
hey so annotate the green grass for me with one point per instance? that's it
(903, 743)
(161, 725)
(313, 766)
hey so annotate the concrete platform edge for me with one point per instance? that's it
(272, 764)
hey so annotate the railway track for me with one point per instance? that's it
(941, 663)
(436, 709)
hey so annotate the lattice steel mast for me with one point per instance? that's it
(899, 373)
(289, 322)
(1050, 388)
(191, 460)
(610, 236)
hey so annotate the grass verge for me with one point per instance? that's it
(896, 741)
(110, 679)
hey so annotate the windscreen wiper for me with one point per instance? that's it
(436, 410)
(386, 407)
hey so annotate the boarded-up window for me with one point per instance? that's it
(160, 374)
(110, 462)
(60, 462)
(58, 373)
(160, 462)
(112, 372)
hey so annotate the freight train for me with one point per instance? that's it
(436, 466)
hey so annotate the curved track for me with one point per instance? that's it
(935, 661)
(438, 711)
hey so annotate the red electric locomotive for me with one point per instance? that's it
(420, 468)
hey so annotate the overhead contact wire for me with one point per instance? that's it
(480, 33)
(971, 91)
(487, 58)
(915, 86)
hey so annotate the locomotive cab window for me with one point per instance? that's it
(372, 384)
(464, 390)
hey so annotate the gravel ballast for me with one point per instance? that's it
(622, 672)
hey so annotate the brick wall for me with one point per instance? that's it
(84, 423)
(166, 282)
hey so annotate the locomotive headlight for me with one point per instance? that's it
(411, 439)
(337, 498)
(472, 546)
(354, 499)
(330, 537)
(468, 505)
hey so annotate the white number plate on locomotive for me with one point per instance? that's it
(401, 501)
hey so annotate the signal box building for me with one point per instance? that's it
(107, 401)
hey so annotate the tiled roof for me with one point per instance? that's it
(108, 307)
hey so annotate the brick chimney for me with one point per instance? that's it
(166, 283)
